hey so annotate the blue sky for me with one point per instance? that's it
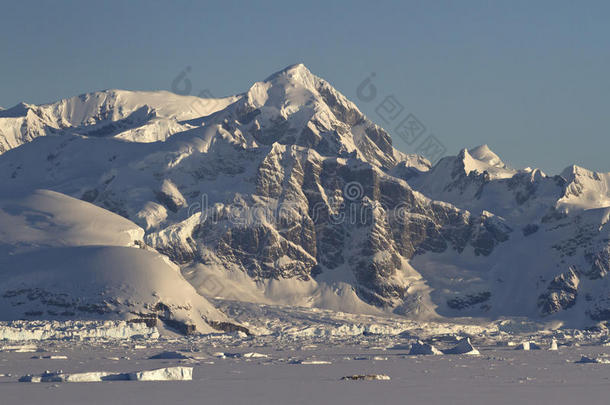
(528, 78)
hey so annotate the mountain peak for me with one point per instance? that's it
(294, 106)
(288, 89)
(484, 154)
(295, 71)
(254, 184)
(573, 170)
(481, 159)
(585, 189)
(18, 110)
(293, 76)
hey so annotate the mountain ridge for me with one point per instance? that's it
(287, 193)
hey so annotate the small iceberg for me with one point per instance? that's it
(421, 348)
(162, 374)
(527, 346)
(463, 347)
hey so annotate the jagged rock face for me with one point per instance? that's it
(469, 300)
(561, 293)
(600, 311)
(310, 215)
(600, 263)
(562, 222)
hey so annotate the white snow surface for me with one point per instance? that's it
(64, 258)
(309, 368)
(137, 116)
(78, 330)
(46, 218)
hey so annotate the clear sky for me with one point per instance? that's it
(529, 78)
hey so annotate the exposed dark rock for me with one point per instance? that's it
(179, 326)
(561, 293)
(600, 263)
(167, 200)
(229, 327)
(148, 321)
(90, 195)
(468, 300)
(530, 229)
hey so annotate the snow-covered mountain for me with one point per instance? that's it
(287, 193)
(134, 116)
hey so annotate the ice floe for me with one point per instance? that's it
(527, 346)
(162, 374)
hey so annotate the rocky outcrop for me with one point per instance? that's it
(310, 214)
(469, 300)
(561, 293)
(599, 262)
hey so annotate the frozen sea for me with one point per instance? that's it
(268, 368)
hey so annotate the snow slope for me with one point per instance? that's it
(62, 258)
(45, 218)
(585, 189)
(130, 115)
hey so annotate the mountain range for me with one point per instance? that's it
(139, 205)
